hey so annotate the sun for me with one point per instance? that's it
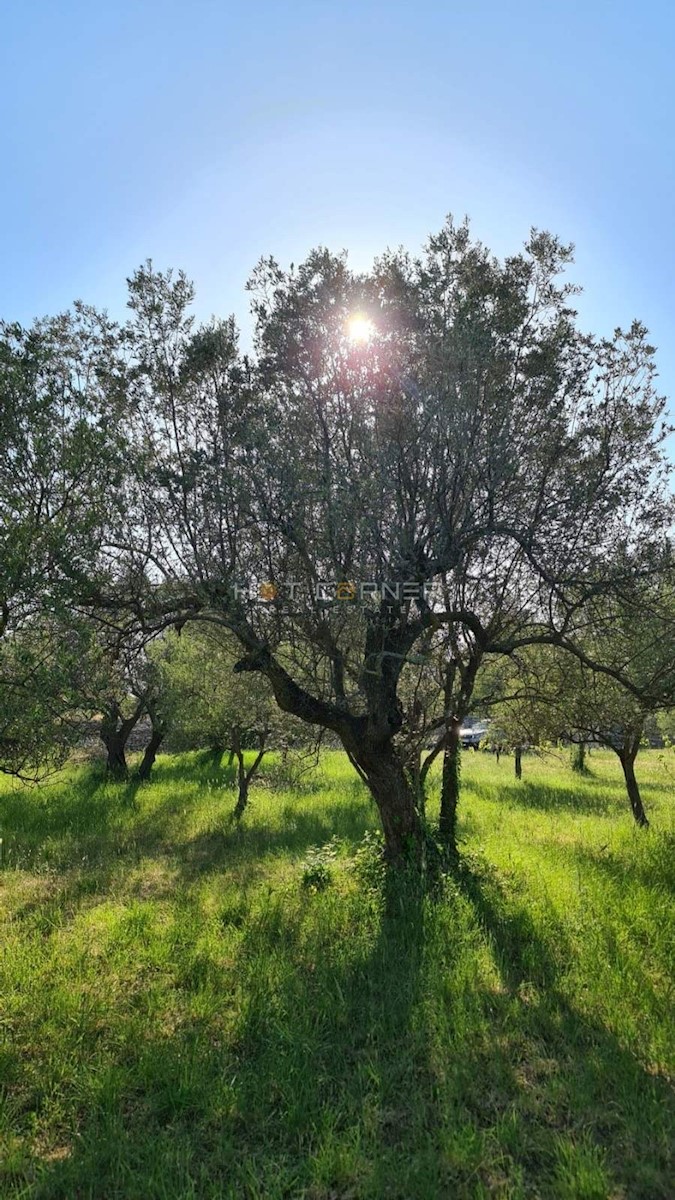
(360, 329)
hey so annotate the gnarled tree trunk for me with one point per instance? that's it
(381, 768)
(150, 753)
(115, 733)
(116, 761)
(368, 740)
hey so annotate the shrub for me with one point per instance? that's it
(369, 866)
(317, 869)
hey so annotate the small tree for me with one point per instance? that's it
(556, 696)
(62, 456)
(119, 686)
(61, 460)
(578, 756)
(209, 704)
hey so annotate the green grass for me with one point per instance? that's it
(180, 1017)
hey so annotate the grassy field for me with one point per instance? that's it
(180, 1016)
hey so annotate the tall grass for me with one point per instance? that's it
(181, 1017)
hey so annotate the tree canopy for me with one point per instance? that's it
(430, 461)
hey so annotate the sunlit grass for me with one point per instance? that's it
(181, 1018)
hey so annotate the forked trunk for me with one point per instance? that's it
(637, 808)
(447, 825)
(150, 754)
(115, 732)
(116, 762)
(368, 742)
(244, 777)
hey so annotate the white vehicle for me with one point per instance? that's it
(472, 733)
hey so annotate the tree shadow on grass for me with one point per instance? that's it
(55, 824)
(598, 1085)
(292, 835)
(350, 1049)
(197, 766)
(668, 789)
(318, 1061)
(89, 818)
(365, 1057)
(214, 768)
(543, 798)
(653, 871)
(86, 817)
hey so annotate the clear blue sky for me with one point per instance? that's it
(206, 134)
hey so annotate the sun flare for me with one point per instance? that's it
(360, 329)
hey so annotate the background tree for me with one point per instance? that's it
(41, 718)
(527, 709)
(120, 687)
(62, 456)
(666, 725)
(556, 696)
(60, 410)
(602, 711)
(209, 704)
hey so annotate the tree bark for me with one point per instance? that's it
(447, 825)
(115, 733)
(244, 777)
(367, 740)
(394, 795)
(456, 703)
(519, 762)
(417, 777)
(116, 762)
(237, 752)
(627, 758)
(150, 754)
(242, 795)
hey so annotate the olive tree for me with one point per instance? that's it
(208, 704)
(40, 716)
(551, 696)
(61, 458)
(432, 446)
(60, 419)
